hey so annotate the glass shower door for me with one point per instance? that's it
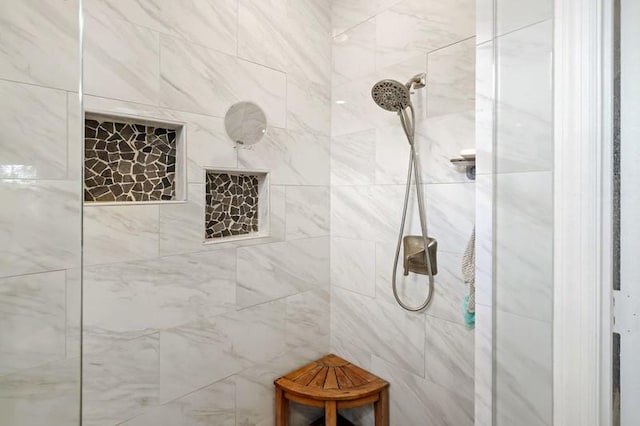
(40, 213)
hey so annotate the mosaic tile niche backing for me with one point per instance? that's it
(128, 162)
(232, 204)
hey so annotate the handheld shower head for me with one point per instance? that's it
(391, 95)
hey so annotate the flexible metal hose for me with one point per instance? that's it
(408, 125)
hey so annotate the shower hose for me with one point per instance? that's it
(408, 124)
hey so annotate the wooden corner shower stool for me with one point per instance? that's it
(333, 384)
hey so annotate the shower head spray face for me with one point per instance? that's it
(391, 95)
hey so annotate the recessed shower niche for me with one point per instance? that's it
(133, 160)
(237, 204)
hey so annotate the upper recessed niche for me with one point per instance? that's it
(236, 204)
(128, 161)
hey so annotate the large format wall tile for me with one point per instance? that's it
(483, 379)
(511, 15)
(186, 354)
(368, 212)
(422, 401)
(39, 225)
(75, 136)
(353, 110)
(44, 395)
(201, 80)
(74, 312)
(211, 405)
(451, 215)
(32, 320)
(392, 154)
(271, 271)
(120, 233)
(380, 328)
(208, 145)
(208, 23)
(484, 239)
(138, 297)
(261, 32)
(348, 13)
(201, 22)
(353, 265)
(255, 400)
(292, 157)
(353, 158)
(440, 139)
(31, 31)
(426, 26)
(524, 374)
(524, 139)
(182, 227)
(449, 355)
(121, 60)
(33, 144)
(121, 381)
(485, 15)
(308, 104)
(258, 333)
(485, 98)
(353, 53)
(308, 319)
(309, 66)
(451, 81)
(196, 79)
(307, 212)
(145, 13)
(524, 244)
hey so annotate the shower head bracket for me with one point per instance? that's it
(418, 81)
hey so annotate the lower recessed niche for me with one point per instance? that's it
(132, 160)
(236, 204)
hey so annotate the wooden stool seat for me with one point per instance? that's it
(332, 383)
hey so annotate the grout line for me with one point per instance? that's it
(67, 151)
(38, 85)
(464, 40)
(497, 37)
(28, 274)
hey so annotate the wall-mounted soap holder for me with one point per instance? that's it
(468, 163)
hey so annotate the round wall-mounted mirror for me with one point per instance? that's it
(245, 123)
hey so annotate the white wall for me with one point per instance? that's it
(177, 332)
(40, 213)
(428, 357)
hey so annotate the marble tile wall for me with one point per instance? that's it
(177, 331)
(428, 357)
(514, 135)
(40, 213)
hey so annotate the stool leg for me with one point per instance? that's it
(382, 408)
(330, 413)
(282, 408)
